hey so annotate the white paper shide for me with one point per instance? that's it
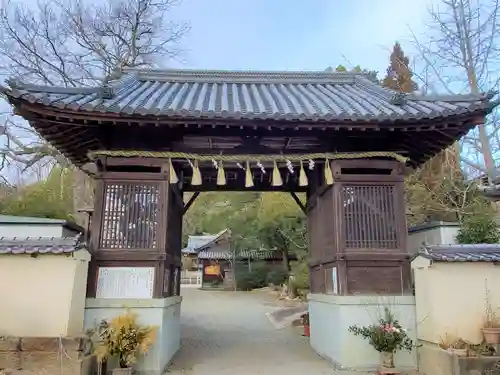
(125, 282)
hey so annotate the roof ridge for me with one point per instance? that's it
(453, 248)
(376, 88)
(18, 84)
(242, 76)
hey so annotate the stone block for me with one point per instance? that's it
(50, 344)
(8, 344)
(52, 362)
(10, 360)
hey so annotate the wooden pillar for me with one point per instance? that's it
(136, 231)
(358, 231)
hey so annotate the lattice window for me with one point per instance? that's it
(370, 217)
(130, 216)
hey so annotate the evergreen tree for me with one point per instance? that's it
(428, 190)
(399, 76)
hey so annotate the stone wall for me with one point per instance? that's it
(40, 355)
(435, 361)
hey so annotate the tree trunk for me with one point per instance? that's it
(83, 196)
(286, 259)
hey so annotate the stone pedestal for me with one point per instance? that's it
(331, 316)
(165, 313)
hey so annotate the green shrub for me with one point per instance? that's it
(277, 276)
(245, 281)
(300, 272)
(255, 277)
(478, 229)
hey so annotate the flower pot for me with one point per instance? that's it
(121, 371)
(491, 335)
(307, 330)
(387, 359)
(458, 352)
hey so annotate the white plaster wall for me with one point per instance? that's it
(43, 296)
(451, 298)
(332, 315)
(449, 234)
(433, 236)
(163, 313)
(30, 230)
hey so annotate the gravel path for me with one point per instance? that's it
(228, 333)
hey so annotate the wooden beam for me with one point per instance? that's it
(190, 202)
(299, 202)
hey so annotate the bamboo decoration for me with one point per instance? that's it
(221, 176)
(248, 176)
(328, 173)
(303, 181)
(196, 179)
(171, 172)
(276, 178)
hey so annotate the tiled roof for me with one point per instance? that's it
(462, 253)
(491, 191)
(304, 96)
(40, 245)
(197, 243)
(10, 219)
(207, 254)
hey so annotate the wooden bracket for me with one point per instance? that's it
(299, 202)
(190, 202)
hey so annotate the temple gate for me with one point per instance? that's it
(151, 135)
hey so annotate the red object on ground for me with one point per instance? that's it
(307, 330)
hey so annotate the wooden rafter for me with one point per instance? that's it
(299, 202)
(190, 201)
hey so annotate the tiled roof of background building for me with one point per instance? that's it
(198, 243)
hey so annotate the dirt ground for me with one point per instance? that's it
(228, 333)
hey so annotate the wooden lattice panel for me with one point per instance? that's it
(370, 217)
(130, 216)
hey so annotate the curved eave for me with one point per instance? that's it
(476, 114)
(361, 101)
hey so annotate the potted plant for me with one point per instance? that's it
(491, 328)
(304, 318)
(454, 345)
(386, 337)
(122, 339)
(459, 347)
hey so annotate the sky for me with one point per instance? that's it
(293, 34)
(296, 34)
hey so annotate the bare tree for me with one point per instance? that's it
(459, 53)
(74, 43)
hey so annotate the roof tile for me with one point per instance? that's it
(40, 245)
(307, 96)
(462, 253)
(262, 255)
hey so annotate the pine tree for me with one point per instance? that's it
(425, 190)
(399, 76)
